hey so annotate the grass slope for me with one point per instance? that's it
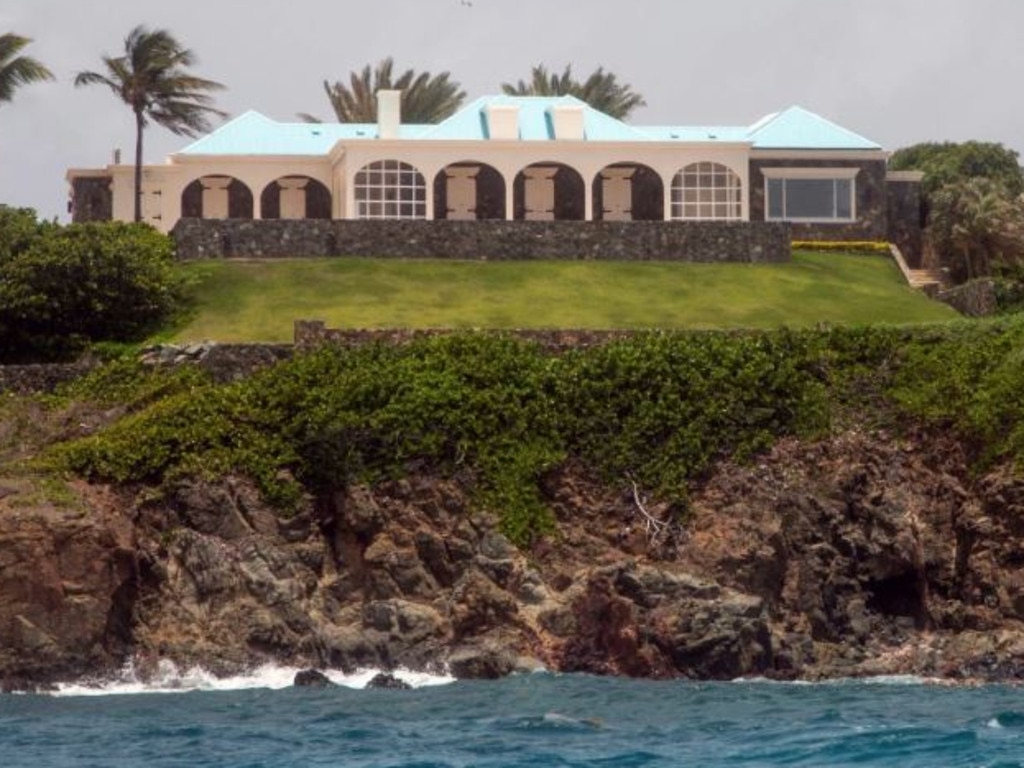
(258, 301)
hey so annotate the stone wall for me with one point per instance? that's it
(92, 199)
(310, 334)
(974, 299)
(904, 219)
(871, 223)
(223, 362)
(28, 379)
(692, 241)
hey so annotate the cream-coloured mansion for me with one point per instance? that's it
(505, 157)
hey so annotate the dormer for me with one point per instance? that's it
(503, 121)
(567, 122)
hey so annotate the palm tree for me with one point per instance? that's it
(153, 80)
(601, 90)
(426, 98)
(976, 220)
(18, 70)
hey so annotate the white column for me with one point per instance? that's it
(510, 196)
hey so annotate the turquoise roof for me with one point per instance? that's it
(796, 128)
(724, 133)
(255, 134)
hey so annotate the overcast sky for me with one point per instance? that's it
(896, 71)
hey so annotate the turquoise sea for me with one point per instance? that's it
(530, 720)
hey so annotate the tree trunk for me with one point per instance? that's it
(138, 166)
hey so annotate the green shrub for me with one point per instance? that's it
(877, 247)
(19, 229)
(657, 409)
(661, 408)
(86, 282)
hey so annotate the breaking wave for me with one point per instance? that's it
(167, 677)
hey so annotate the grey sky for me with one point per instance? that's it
(896, 71)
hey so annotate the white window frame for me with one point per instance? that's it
(390, 189)
(725, 193)
(818, 174)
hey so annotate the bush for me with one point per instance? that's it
(19, 229)
(656, 409)
(843, 246)
(64, 287)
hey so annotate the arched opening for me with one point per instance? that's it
(546, 191)
(216, 197)
(390, 189)
(706, 190)
(628, 192)
(469, 190)
(295, 197)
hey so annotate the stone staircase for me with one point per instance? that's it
(928, 280)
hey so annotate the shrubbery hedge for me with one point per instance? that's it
(63, 287)
(657, 409)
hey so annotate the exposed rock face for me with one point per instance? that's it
(853, 556)
(68, 586)
(311, 678)
(388, 681)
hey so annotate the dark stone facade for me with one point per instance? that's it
(871, 205)
(905, 227)
(92, 199)
(692, 241)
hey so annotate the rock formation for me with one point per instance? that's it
(856, 555)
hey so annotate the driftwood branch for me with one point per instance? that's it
(656, 529)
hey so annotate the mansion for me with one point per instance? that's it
(522, 158)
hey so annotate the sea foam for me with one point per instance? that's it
(167, 677)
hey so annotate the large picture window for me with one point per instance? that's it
(390, 189)
(810, 194)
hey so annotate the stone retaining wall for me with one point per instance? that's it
(310, 334)
(974, 299)
(691, 241)
(26, 379)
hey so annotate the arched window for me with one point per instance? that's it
(707, 191)
(390, 189)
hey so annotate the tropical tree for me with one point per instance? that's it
(948, 162)
(601, 90)
(152, 78)
(16, 70)
(975, 227)
(426, 98)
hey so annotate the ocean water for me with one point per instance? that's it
(191, 719)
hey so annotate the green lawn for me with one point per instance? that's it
(258, 301)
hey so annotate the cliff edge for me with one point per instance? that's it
(859, 554)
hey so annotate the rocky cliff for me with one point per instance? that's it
(861, 554)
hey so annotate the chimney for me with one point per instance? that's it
(568, 122)
(389, 114)
(503, 121)
(117, 156)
